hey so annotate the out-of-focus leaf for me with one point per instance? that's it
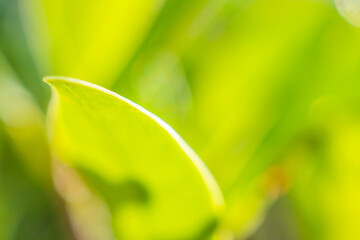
(24, 123)
(14, 47)
(75, 36)
(155, 185)
(27, 209)
(326, 177)
(324, 188)
(179, 24)
(163, 87)
(29, 206)
(263, 110)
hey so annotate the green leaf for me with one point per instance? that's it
(27, 209)
(103, 35)
(14, 49)
(24, 123)
(156, 187)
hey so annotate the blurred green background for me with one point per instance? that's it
(265, 91)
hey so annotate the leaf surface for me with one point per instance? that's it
(82, 35)
(154, 184)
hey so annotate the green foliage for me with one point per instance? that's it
(265, 92)
(155, 185)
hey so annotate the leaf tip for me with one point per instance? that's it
(54, 79)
